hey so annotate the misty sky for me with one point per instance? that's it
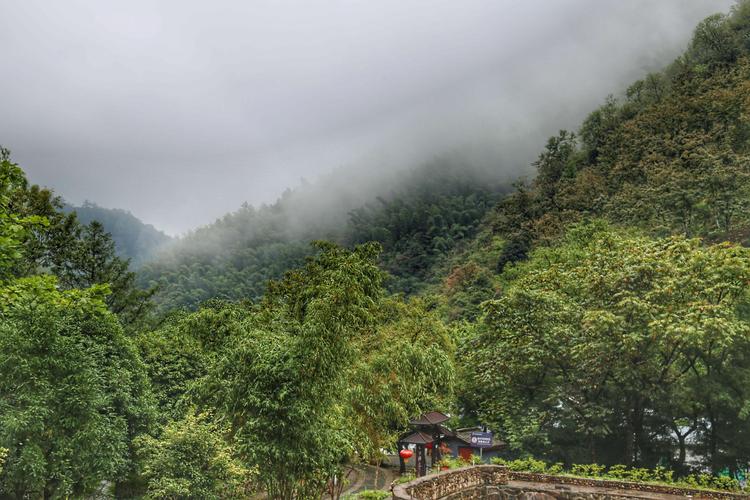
(180, 111)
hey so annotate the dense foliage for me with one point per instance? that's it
(440, 207)
(309, 377)
(619, 472)
(611, 338)
(671, 158)
(245, 395)
(73, 390)
(192, 460)
(610, 345)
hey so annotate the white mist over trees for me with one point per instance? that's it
(180, 112)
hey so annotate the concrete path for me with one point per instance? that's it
(362, 478)
(368, 477)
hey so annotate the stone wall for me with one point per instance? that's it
(497, 483)
(636, 488)
(468, 482)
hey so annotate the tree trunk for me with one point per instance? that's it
(683, 453)
(629, 432)
(638, 437)
(713, 444)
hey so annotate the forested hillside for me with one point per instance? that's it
(596, 317)
(91, 392)
(622, 333)
(133, 239)
(669, 157)
(419, 219)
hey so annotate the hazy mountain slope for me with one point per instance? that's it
(418, 220)
(672, 156)
(133, 239)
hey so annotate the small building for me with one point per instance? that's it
(460, 444)
(429, 440)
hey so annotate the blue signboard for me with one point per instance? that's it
(481, 439)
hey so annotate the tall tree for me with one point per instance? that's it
(604, 336)
(403, 368)
(282, 382)
(73, 391)
(92, 260)
(51, 241)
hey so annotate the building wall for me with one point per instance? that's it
(455, 444)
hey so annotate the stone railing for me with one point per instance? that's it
(627, 488)
(496, 482)
(478, 481)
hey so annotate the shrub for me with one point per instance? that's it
(588, 470)
(454, 463)
(618, 471)
(639, 475)
(622, 473)
(556, 468)
(527, 464)
(406, 478)
(522, 464)
(725, 483)
(662, 474)
(373, 495)
(191, 459)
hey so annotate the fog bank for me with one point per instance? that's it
(181, 111)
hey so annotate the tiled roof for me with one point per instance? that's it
(417, 437)
(430, 418)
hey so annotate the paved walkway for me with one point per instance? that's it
(367, 477)
(362, 478)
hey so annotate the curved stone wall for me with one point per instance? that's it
(497, 483)
(480, 481)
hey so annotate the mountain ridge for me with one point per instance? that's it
(134, 239)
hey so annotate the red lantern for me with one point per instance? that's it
(405, 454)
(428, 446)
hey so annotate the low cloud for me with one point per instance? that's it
(181, 111)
